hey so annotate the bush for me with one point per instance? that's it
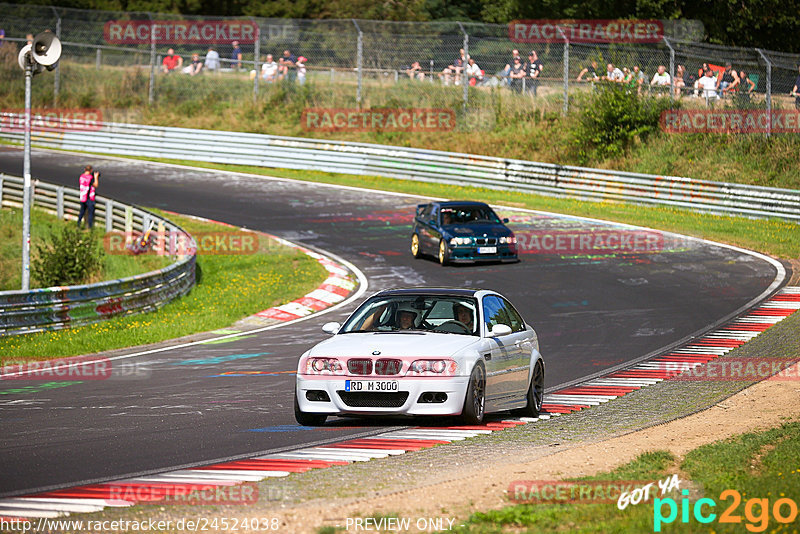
(614, 119)
(69, 258)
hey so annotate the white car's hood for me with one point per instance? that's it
(397, 344)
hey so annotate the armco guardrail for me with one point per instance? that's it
(425, 165)
(55, 308)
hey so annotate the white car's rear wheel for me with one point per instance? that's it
(475, 399)
(535, 396)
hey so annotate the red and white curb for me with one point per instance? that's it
(154, 488)
(333, 290)
(698, 352)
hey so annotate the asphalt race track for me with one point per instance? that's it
(592, 310)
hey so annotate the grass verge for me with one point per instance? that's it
(760, 467)
(774, 237)
(229, 287)
(42, 225)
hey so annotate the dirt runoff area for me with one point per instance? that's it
(475, 487)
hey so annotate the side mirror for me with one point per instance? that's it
(331, 328)
(505, 220)
(500, 330)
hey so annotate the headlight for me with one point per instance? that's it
(323, 366)
(460, 241)
(507, 240)
(432, 367)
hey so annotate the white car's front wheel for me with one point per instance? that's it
(475, 399)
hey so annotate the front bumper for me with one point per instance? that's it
(469, 254)
(455, 387)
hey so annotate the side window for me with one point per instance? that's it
(434, 218)
(494, 312)
(425, 213)
(516, 323)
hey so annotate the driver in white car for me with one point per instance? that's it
(406, 318)
(464, 315)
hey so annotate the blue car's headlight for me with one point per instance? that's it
(459, 241)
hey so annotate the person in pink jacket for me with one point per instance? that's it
(88, 182)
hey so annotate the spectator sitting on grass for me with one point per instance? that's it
(415, 71)
(728, 80)
(590, 72)
(638, 78)
(212, 60)
(195, 67)
(660, 78)
(708, 85)
(473, 72)
(2, 36)
(613, 74)
(269, 70)
(171, 62)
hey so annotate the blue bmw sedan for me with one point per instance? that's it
(462, 231)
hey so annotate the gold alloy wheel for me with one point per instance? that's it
(415, 245)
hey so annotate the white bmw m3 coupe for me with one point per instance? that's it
(423, 352)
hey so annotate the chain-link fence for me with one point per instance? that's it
(467, 68)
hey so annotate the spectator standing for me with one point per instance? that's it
(171, 62)
(269, 70)
(2, 36)
(638, 78)
(590, 72)
(661, 77)
(212, 60)
(87, 182)
(301, 70)
(507, 70)
(415, 71)
(795, 89)
(236, 56)
(286, 66)
(745, 87)
(680, 81)
(534, 69)
(728, 80)
(473, 72)
(29, 38)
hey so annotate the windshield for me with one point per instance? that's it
(415, 313)
(468, 215)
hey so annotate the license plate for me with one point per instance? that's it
(487, 250)
(371, 385)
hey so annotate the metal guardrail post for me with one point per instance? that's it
(671, 69)
(109, 215)
(57, 77)
(60, 203)
(256, 55)
(98, 59)
(359, 61)
(1, 190)
(151, 92)
(769, 90)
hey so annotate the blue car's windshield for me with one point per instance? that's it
(469, 215)
(415, 313)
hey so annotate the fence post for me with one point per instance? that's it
(151, 94)
(671, 68)
(57, 76)
(256, 54)
(1, 190)
(98, 58)
(359, 61)
(464, 80)
(566, 70)
(60, 203)
(109, 215)
(769, 90)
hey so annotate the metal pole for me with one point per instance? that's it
(566, 70)
(152, 89)
(464, 80)
(256, 54)
(57, 78)
(769, 91)
(671, 69)
(26, 174)
(359, 61)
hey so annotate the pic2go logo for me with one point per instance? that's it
(756, 511)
